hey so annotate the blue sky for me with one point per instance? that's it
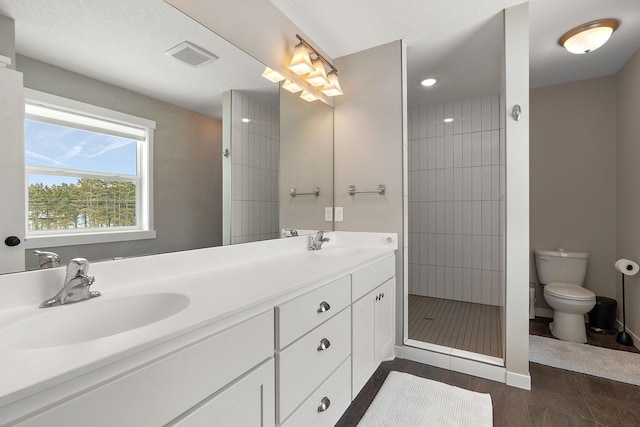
(67, 148)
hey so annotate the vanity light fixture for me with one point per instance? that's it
(272, 75)
(301, 62)
(313, 74)
(245, 120)
(318, 77)
(307, 96)
(327, 83)
(333, 88)
(291, 86)
(588, 37)
(428, 82)
(448, 120)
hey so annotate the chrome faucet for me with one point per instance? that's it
(317, 241)
(289, 232)
(76, 285)
(47, 259)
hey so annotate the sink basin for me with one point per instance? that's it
(90, 320)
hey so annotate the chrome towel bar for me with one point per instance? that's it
(380, 190)
(293, 192)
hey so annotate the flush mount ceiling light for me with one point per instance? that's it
(428, 82)
(588, 37)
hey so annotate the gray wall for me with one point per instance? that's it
(306, 161)
(368, 143)
(187, 177)
(573, 176)
(628, 178)
(8, 40)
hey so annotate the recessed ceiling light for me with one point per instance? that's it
(448, 120)
(429, 82)
(588, 37)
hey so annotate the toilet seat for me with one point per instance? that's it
(569, 291)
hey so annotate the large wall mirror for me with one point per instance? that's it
(115, 57)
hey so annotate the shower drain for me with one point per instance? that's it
(429, 318)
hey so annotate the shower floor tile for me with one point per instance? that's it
(456, 324)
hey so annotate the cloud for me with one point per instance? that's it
(39, 159)
(113, 144)
(73, 151)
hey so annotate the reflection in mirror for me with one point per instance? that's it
(104, 57)
(306, 158)
(250, 169)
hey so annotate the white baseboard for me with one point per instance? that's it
(450, 360)
(518, 380)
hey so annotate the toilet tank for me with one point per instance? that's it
(562, 266)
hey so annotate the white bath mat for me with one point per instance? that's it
(406, 400)
(615, 365)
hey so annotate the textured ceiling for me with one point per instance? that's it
(459, 40)
(123, 42)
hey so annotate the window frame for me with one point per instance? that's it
(115, 123)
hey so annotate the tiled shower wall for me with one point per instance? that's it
(255, 151)
(456, 184)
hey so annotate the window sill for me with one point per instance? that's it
(35, 242)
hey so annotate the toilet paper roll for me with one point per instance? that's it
(627, 267)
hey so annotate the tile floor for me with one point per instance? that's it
(540, 326)
(456, 324)
(557, 397)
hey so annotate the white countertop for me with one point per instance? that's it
(227, 282)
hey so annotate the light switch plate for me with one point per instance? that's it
(328, 214)
(339, 214)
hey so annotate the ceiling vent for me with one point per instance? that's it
(190, 54)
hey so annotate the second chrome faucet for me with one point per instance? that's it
(317, 240)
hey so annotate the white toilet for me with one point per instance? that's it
(562, 275)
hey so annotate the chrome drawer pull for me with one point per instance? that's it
(324, 404)
(324, 344)
(324, 306)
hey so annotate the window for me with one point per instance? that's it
(88, 173)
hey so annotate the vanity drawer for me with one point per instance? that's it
(296, 317)
(333, 393)
(304, 365)
(368, 278)
(157, 393)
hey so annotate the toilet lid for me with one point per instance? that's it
(569, 291)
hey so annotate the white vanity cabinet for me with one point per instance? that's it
(255, 347)
(314, 336)
(373, 320)
(211, 379)
(250, 402)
